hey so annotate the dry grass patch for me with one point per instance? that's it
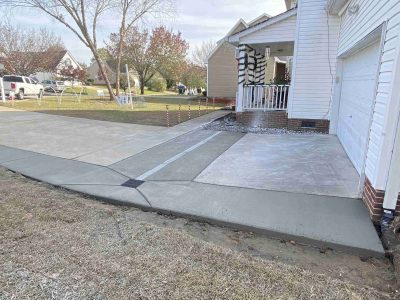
(60, 245)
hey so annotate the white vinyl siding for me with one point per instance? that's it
(371, 14)
(314, 61)
(283, 31)
(222, 72)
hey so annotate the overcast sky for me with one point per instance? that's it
(198, 20)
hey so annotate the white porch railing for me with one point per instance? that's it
(265, 97)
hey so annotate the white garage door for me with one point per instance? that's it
(357, 97)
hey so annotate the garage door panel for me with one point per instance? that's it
(357, 97)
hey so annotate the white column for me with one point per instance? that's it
(251, 65)
(260, 70)
(241, 77)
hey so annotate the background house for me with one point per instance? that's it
(56, 62)
(111, 67)
(222, 65)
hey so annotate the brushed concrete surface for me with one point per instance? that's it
(340, 223)
(186, 167)
(60, 171)
(193, 163)
(92, 141)
(293, 163)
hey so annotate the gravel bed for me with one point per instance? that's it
(229, 123)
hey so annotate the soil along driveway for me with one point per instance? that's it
(59, 245)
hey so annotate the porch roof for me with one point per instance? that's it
(284, 22)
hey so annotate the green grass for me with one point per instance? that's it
(152, 112)
(92, 90)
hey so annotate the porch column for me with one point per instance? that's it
(251, 65)
(241, 77)
(260, 69)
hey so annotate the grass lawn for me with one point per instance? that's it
(57, 244)
(152, 112)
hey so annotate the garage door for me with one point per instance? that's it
(357, 98)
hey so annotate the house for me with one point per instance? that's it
(56, 62)
(222, 65)
(345, 80)
(110, 67)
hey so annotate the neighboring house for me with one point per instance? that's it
(111, 70)
(345, 80)
(222, 65)
(58, 61)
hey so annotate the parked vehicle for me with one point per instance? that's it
(53, 85)
(21, 86)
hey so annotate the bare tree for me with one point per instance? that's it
(201, 53)
(130, 11)
(149, 54)
(26, 51)
(79, 16)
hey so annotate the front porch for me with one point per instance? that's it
(262, 87)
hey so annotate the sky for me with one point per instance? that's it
(197, 20)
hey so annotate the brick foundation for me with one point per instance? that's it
(373, 199)
(268, 119)
(279, 119)
(320, 125)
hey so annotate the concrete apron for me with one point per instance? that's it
(323, 221)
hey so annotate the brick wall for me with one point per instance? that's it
(279, 119)
(268, 119)
(373, 199)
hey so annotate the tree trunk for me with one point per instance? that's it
(141, 87)
(104, 74)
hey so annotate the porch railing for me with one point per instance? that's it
(265, 97)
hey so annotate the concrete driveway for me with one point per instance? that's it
(291, 187)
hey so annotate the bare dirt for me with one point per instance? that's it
(57, 244)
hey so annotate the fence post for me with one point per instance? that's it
(166, 106)
(199, 108)
(179, 113)
(189, 112)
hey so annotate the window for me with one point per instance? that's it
(13, 79)
(308, 124)
(68, 62)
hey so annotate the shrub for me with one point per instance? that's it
(157, 85)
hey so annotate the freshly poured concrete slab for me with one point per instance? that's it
(193, 163)
(10, 154)
(140, 163)
(339, 223)
(144, 140)
(60, 171)
(293, 163)
(113, 194)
